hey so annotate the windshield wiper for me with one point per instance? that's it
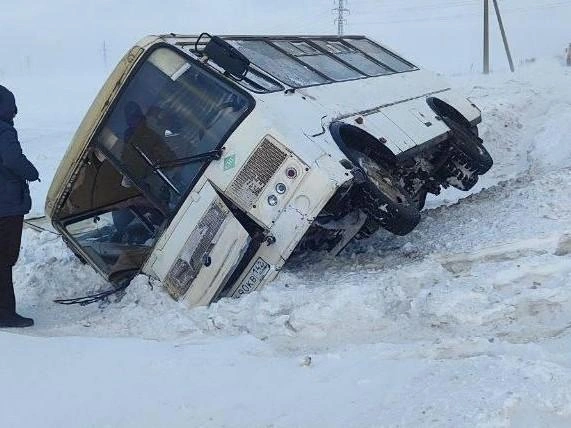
(201, 157)
(156, 169)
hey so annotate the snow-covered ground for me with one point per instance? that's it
(465, 322)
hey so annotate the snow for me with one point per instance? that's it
(465, 322)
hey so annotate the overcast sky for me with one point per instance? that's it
(41, 36)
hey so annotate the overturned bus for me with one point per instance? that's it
(205, 161)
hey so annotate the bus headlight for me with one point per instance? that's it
(281, 188)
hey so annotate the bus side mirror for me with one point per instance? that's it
(227, 57)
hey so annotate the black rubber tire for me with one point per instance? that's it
(383, 200)
(420, 198)
(465, 141)
(368, 229)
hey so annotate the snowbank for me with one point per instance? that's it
(464, 322)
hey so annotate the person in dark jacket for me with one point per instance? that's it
(15, 173)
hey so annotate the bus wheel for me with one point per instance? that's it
(382, 198)
(468, 146)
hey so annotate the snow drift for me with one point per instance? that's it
(464, 322)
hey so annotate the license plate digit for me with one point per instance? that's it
(256, 275)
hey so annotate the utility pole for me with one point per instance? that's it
(506, 45)
(104, 52)
(340, 20)
(486, 37)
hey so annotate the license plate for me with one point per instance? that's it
(254, 278)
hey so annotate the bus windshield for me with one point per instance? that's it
(167, 125)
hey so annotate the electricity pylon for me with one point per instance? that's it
(340, 20)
